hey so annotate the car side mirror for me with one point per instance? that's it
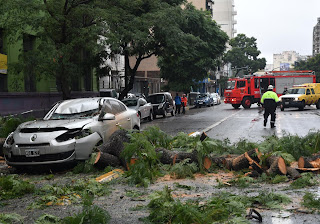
(107, 116)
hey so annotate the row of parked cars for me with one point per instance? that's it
(72, 129)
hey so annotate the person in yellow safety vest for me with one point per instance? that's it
(270, 100)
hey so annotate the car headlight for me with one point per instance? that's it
(9, 140)
(296, 98)
(74, 134)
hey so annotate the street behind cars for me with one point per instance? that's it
(69, 131)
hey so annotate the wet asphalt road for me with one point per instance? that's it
(223, 121)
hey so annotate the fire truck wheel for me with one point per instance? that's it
(236, 106)
(246, 102)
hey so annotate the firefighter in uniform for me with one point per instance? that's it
(269, 100)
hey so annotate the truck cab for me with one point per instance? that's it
(301, 95)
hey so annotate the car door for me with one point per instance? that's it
(123, 116)
(312, 96)
(309, 96)
(142, 107)
(107, 127)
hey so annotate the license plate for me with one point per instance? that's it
(200, 102)
(286, 103)
(32, 152)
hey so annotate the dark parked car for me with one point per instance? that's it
(162, 103)
(204, 99)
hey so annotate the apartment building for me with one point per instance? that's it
(285, 61)
(223, 12)
(316, 39)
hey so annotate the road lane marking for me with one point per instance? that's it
(219, 122)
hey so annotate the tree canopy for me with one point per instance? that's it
(244, 54)
(312, 63)
(74, 34)
(193, 51)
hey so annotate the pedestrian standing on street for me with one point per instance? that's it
(285, 91)
(177, 100)
(269, 100)
(184, 101)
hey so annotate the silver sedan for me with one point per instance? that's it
(144, 108)
(69, 131)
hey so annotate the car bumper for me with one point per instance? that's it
(287, 104)
(232, 100)
(51, 153)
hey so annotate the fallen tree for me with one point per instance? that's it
(110, 154)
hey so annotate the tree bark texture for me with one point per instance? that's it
(114, 146)
(309, 162)
(105, 159)
(172, 157)
(242, 161)
(293, 173)
(277, 166)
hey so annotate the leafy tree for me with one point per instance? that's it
(68, 33)
(244, 54)
(312, 63)
(193, 50)
(140, 29)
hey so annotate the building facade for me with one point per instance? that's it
(223, 12)
(316, 39)
(285, 61)
(26, 93)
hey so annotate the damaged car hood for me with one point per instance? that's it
(51, 124)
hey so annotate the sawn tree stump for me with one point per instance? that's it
(113, 148)
(243, 161)
(277, 166)
(309, 162)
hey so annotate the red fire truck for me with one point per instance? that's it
(249, 89)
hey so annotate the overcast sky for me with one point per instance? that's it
(278, 25)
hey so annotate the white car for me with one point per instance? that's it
(216, 98)
(141, 106)
(68, 132)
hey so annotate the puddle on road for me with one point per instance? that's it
(282, 217)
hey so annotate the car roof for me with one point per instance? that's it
(167, 93)
(79, 105)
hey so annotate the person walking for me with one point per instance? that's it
(184, 101)
(269, 101)
(177, 100)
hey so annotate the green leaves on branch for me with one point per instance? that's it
(221, 208)
(244, 55)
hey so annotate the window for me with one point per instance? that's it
(241, 84)
(256, 83)
(308, 92)
(312, 90)
(29, 77)
(1, 41)
(28, 42)
(142, 102)
(117, 108)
